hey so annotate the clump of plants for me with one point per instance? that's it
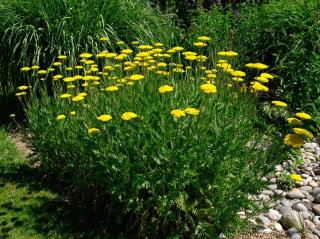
(164, 138)
(283, 34)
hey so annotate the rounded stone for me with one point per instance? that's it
(272, 187)
(316, 209)
(313, 184)
(292, 231)
(278, 191)
(264, 198)
(264, 220)
(291, 218)
(317, 198)
(295, 194)
(286, 202)
(306, 188)
(278, 227)
(273, 180)
(306, 215)
(305, 175)
(316, 220)
(310, 225)
(274, 215)
(268, 192)
(264, 230)
(295, 236)
(300, 207)
(315, 191)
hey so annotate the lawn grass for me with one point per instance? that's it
(31, 209)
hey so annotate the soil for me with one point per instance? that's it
(22, 145)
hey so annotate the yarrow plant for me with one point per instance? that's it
(166, 135)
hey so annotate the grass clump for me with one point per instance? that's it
(162, 140)
(35, 31)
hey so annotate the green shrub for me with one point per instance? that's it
(284, 34)
(157, 174)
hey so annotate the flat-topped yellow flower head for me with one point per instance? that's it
(178, 113)
(192, 111)
(294, 140)
(61, 117)
(165, 89)
(93, 131)
(104, 118)
(136, 77)
(208, 88)
(279, 103)
(303, 115)
(128, 116)
(303, 132)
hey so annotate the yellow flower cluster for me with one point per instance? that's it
(188, 111)
(119, 74)
(297, 138)
(296, 177)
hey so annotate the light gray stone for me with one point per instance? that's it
(316, 220)
(295, 236)
(310, 225)
(317, 198)
(316, 232)
(278, 227)
(295, 194)
(292, 231)
(268, 192)
(278, 191)
(313, 184)
(286, 202)
(291, 218)
(307, 203)
(306, 215)
(316, 209)
(306, 188)
(274, 215)
(272, 187)
(273, 180)
(300, 207)
(264, 221)
(315, 191)
(307, 195)
(264, 230)
(309, 154)
(264, 197)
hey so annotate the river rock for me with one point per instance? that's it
(274, 215)
(300, 207)
(264, 220)
(292, 231)
(316, 220)
(313, 184)
(291, 218)
(316, 209)
(278, 227)
(295, 194)
(310, 225)
(295, 236)
(317, 198)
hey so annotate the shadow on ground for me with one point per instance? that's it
(34, 206)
